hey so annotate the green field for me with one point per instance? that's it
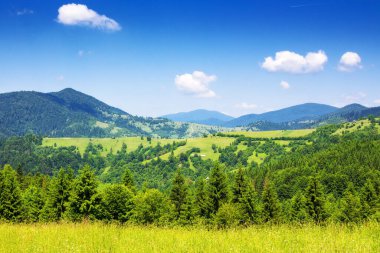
(354, 126)
(274, 134)
(133, 142)
(107, 143)
(203, 143)
(112, 238)
(259, 159)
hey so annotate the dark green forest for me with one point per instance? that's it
(72, 113)
(324, 177)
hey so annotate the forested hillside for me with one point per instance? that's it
(72, 113)
(330, 175)
(308, 111)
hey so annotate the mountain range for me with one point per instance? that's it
(75, 114)
(201, 116)
(307, 111)
(70, 113)
(306, 115)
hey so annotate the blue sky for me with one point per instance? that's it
(154, 57)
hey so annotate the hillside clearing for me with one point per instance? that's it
(204, 143)
(274, 134)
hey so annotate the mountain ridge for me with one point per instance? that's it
(304, 111)
(70, 113)
(200, 116)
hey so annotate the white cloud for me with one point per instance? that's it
(79, 14)
(291, 62)
(349, 62)
(24, 12)
(355, 98)
(285, 85)
(246, 106)
(60, 78)
(196, 84)
(377, 101)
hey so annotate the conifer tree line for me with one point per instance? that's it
(320, 178)
(214, 200)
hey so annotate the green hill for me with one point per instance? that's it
(72, 113)
(340, 162)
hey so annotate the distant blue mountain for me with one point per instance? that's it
(307, 115)
(308, 111)
(200, 116)
(347, 113)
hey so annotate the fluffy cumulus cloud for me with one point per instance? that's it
(196, 84)
(285, 85)
(377, 101)
(350, 61)
(291, 62)
(80, 15)
(246, 106)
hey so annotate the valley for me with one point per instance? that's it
(189, 126)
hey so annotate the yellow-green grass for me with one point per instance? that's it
(205, 145)
(112, 238)
(282, 143)
(259, 159)
(108, 143)
(241, 146)
(354, 126)
(274, 134)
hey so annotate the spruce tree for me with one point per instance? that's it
(33, 203)
(315, 200)
(217, 188)
(243, 194)
(188, 211)
(84, 199)
(127, 179)
(240, 185)
(10, 195)
(298, 208)
(271, 204)
(202, 200)
(178, 194)
(370, 200)
(58, 195)
(350, 205)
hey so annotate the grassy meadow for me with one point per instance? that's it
(204, 143)
(274, 133)
(107, 143)
(113, 238)
(354, 126)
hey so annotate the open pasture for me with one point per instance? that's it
(112, 238)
